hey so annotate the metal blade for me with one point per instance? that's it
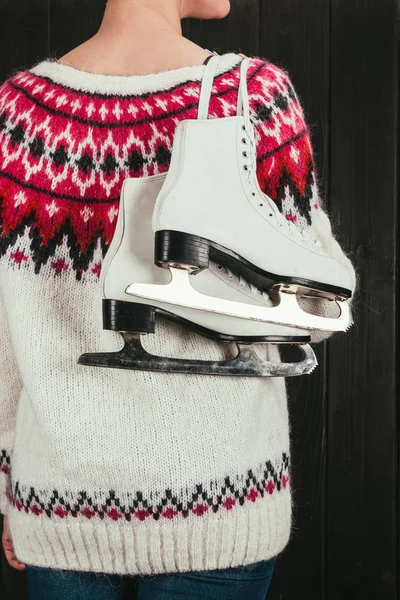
(246, 364)
(288, 312)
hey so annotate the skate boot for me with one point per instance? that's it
(211, 208)
(130, 258)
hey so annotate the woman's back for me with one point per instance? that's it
(161, 472)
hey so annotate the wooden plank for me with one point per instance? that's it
(362, 527)
(295, 36)
(73, 22)
(23, 34)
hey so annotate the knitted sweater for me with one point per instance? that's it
(115, 471)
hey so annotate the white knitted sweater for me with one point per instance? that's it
(124, 471)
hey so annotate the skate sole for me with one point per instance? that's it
(246, 364)
(139, 318)
(184, 250)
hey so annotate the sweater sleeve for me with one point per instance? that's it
(10, 381)
(286, 169)
(10, 388)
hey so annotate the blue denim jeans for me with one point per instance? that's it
(236, 583)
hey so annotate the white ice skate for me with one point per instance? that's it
(212, 208)
(130, 259)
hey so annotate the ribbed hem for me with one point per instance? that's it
(245, 535)
(4, 503)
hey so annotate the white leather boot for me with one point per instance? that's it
(211, 208)
(130, 260)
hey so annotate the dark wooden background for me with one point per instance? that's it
(343, 58)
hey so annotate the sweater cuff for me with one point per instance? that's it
(5, 481)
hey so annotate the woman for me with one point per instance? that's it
(179, 480)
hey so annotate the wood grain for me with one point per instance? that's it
(24, 34)
(295, 36)
(73, 22)
(362, 524)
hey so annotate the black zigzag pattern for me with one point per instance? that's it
(41, 253)
(233, 490)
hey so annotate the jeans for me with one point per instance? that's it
(249, 582)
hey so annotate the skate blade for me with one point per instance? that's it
(246, 364)
(288, 312)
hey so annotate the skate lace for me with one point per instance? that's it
(292, 229)
(249, 167)
(250, 153)
(243, 282)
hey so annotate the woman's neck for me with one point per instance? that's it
(136, 38)
(144, 19)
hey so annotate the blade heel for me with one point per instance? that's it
(128, 316)
(181, 250)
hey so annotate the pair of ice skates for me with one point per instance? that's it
(203, 246)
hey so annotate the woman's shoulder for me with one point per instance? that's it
(269, 78)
